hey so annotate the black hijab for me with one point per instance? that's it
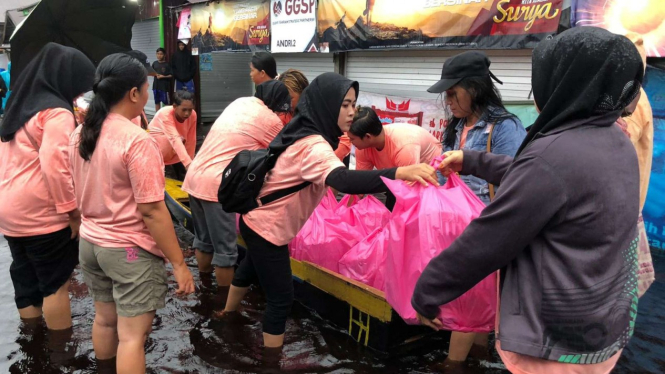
(317, 111)
(583, 76)
(53, 79)
(275, 95)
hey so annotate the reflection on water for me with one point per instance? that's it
(187, 337)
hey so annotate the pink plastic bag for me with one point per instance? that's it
(327, 235)
(335, 227)
(425, 221)
(365, 262)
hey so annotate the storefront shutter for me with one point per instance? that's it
(145, 38)
(410, 73)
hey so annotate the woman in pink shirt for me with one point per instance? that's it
(325, 111)
(38, 214)
(126, 230)
(247, 123)
(174, 129)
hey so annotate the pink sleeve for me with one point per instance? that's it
(174, 139)
(362, 161)
(54, 158)
(146, 171)
(317, 162)
(407, 155)
(191, 138)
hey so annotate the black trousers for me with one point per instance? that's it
(41, 264)
(270, 266)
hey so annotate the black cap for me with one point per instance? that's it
(464, 65)
(143, 59)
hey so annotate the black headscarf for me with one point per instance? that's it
(583, 76)
(317, 111)
(53, 79)
(275, 95)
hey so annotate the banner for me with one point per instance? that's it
(429, 114)
(184, 24)
(293, 26)
(500, 24)
(645, 17)
(654, 208)
(227, 25)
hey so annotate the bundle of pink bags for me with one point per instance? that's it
(363, 240)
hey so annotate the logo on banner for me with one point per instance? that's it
(299, 6)
(312, 48)
(401, 107)
(277, 8)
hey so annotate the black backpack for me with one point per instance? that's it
(243, 178)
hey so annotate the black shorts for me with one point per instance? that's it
(41, 265)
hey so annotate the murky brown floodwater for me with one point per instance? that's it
(187, 339)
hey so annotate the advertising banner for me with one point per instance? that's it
(644, 17)
(654, 208)
(486, 24)
(184, 24)
(429, 114)
(293, 26)
(231, 26)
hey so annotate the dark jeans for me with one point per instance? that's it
(41, 265)
(270, 265)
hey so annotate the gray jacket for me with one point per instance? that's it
(562, 229)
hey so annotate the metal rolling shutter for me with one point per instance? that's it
(311, 64)
(145, 38)
(228, 80)
(410, 73)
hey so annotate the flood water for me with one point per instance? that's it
(187, 338)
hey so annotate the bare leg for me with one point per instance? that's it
(56, 308)
(132, 333)
(479, 349)
(236, 294)
(460, 345)
(30, 313)
(273, 341)
(105, 331)
(204, 261)
(224, 276)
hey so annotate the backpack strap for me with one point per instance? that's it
(282, 193)
(489, 150)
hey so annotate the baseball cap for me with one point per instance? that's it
(463, 65)
(143, 59)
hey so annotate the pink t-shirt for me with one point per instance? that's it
(405, 145)
(125, 170)
(309, 159)
(36, 190)
(344, 147)
(177, 141)
(245, 124)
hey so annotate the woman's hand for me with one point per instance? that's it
(451, 163)
(184, 279)
(421, 173)
(75, 223)
(435, 324)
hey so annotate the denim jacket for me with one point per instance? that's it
(506, 139)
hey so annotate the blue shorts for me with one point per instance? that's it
(189, 86)
(161, 97)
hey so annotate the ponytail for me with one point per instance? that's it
(116, 75)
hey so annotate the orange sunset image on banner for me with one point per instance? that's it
(362, 24)
(644, 17)
(231, 25)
